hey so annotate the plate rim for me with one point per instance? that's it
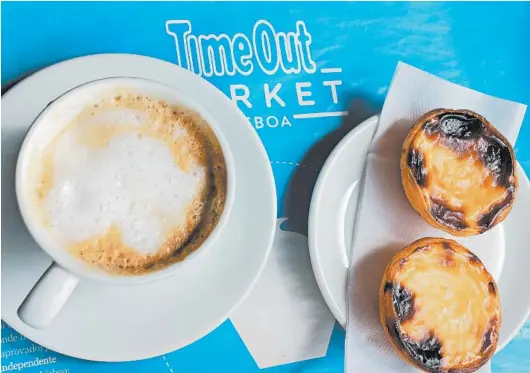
(322, 176)
(315, 252)
(101, 58)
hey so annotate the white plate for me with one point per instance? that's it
(111, 323)
(332, 220)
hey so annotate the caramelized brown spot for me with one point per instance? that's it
(487, 220)
(460, 125)
(403, 302)
(447, 247)
(492, 289)
(497, 158)
(446, 215)
(427, 351)
(393, 330)
(416, 165)
(473, 259)
(490, 335)
(421, 249)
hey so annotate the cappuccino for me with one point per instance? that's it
(131, 184)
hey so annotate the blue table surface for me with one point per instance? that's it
(485, 46)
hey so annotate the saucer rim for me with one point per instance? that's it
(99, 66)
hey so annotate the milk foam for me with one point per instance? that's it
(130, 182)
(117, 116)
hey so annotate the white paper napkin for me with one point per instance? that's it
(385, 220)
(285, 319)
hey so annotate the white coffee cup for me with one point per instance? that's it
(55, 286)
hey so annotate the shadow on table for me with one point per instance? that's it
(300, 188)
(7, 86)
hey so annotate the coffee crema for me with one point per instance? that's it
(131, 184)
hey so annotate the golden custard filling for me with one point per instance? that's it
(463, 181)
(463, 169)
(440, 306)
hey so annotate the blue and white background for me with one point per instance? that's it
(324, 59)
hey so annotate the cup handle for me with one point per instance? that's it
(47, 297)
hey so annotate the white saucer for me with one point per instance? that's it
(110, 323)
(332, 220)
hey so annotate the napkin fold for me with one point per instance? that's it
(386, 222)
